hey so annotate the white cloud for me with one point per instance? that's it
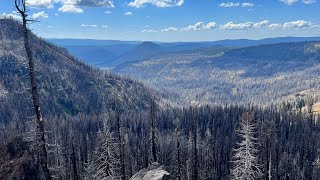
(88, 25)
(298, 24)
(70, 9)
(149, 31)
(9, 16)
(104, 26)
(108, 12)
(56, 14)
(92, 3)
(275, 26)
(210, 25)
(128, 13)
(309, 1)
(169, 29)
(229, 4)
(235, 4)
(289, 2)
(197, 26)
(200, 26)
(71, 6)
(265, 24)
(245, 25)
(39, 15)
(50, 26)
(246, 4)
(233, 26)
(157, 3)
(261, 24)
(40, 3)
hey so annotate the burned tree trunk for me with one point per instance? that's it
(122, 174)
(152, 129)
(41, 146)
(178, 163)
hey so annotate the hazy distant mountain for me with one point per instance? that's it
(68, 87)
(248, 42)
(100, 56)
(140, 52)
(89, 42)
(258, 75)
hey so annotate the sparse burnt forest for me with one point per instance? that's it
(250, 120)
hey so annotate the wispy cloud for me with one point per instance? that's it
(265, 24)
(309, 1)
(235, 4)
(298, 24)
(246, 4)
(200, 26)
(71, 6)
(40, 15)
(149, 31)
(275, 26)
(169, 29)
(90, 3)
(245, 25)
(157, 3)
(70, 9)
(89, 25)
(291, 2)
(128, 13)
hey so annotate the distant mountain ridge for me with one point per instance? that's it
(88, 42)
(108, 53)
(225, 42)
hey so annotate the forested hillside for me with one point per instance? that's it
(262, 74)
(68, 87)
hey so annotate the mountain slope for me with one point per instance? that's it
(100, 56)
(68, 87)
(262, 74)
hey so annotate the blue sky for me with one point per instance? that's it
(171, 20)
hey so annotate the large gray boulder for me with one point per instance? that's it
(154, 172)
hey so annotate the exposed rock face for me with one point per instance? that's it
(154, 172)
(16, 162)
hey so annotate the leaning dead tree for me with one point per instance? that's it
(40, 139)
